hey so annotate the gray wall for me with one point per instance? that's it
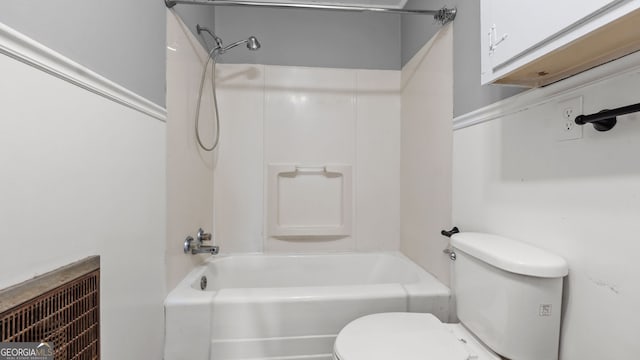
(122, 40)
(125, 40)
(312, 38)
(468, 94)
(192, 15)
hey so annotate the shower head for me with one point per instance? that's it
(252, 43)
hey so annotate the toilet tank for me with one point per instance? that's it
(509, 294)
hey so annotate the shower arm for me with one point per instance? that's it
(443, 16)
(201, 29)
(224, 49)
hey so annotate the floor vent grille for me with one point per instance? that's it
(66, 316)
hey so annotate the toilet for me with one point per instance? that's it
(508, 295)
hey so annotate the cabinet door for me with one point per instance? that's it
(514, 27)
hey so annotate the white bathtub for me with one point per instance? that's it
(290, 306)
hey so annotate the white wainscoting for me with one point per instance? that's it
(83, 173)
(578, 198)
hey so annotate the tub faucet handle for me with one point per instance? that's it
(203, 236)
(187, 246)
(195, 247)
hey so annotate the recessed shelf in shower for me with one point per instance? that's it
(309, 200)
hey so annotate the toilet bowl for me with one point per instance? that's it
(508, 301)
(407, 336)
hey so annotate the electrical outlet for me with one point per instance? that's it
(566, 111)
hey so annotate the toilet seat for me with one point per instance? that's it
(406, 336)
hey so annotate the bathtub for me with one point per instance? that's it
(289, 306)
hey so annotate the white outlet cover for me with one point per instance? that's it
(564, 119)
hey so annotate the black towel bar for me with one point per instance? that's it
(605, 120)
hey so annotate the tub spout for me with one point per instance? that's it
(203, 249)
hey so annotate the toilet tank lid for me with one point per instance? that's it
(511, 255)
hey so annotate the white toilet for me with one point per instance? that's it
(509, 297)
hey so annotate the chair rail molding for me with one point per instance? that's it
(535, 97)
(30, 52)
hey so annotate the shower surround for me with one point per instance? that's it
(305, 117)
(286, 117)
(274, 115)
(315, 123)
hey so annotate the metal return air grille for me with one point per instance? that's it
(66, 317)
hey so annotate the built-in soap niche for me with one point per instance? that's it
(309, 201)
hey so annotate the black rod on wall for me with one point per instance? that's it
(443, 16)
(605, 120)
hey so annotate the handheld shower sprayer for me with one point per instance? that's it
(252, 44)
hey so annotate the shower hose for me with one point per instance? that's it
(210, 58)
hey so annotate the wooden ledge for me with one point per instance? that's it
(27, 290)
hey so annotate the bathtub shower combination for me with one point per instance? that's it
(290, 307)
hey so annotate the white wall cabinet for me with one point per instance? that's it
(517, 33)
